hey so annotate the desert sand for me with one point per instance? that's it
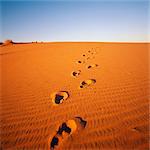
(105, 84)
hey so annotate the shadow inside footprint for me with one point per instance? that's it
(59, 97)
(54, 142)
(86, 83)
(76, 73)
(89, 67)
(82, 122)
(136, 129)
(66, 129)
(79, 62)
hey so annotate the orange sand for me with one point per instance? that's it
(116, 107)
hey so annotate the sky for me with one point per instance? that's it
(70, 20)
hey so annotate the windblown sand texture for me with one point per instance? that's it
(115, 107)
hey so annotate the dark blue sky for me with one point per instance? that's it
(74, 20)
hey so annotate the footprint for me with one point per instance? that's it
(58, 97)
(80, 123)
(136, 129)
(87, 83)
(66, 129)
(54, 142)
(92, 66)
(79, 62)
(76, 73)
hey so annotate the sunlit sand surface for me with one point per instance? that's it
(115, 104)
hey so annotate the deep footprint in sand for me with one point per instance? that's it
(66, 129)
(76, 73)
(58, 97)
(92, 66)
(87, 83)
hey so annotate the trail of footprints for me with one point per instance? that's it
(77, 123)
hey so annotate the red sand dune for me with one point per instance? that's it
(116, 106)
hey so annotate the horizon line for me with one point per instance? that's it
(29, 42)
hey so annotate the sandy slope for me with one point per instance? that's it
(116, 107)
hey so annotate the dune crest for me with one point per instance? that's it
(7, 42)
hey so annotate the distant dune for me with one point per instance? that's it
(10, 42)
(75, 96)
